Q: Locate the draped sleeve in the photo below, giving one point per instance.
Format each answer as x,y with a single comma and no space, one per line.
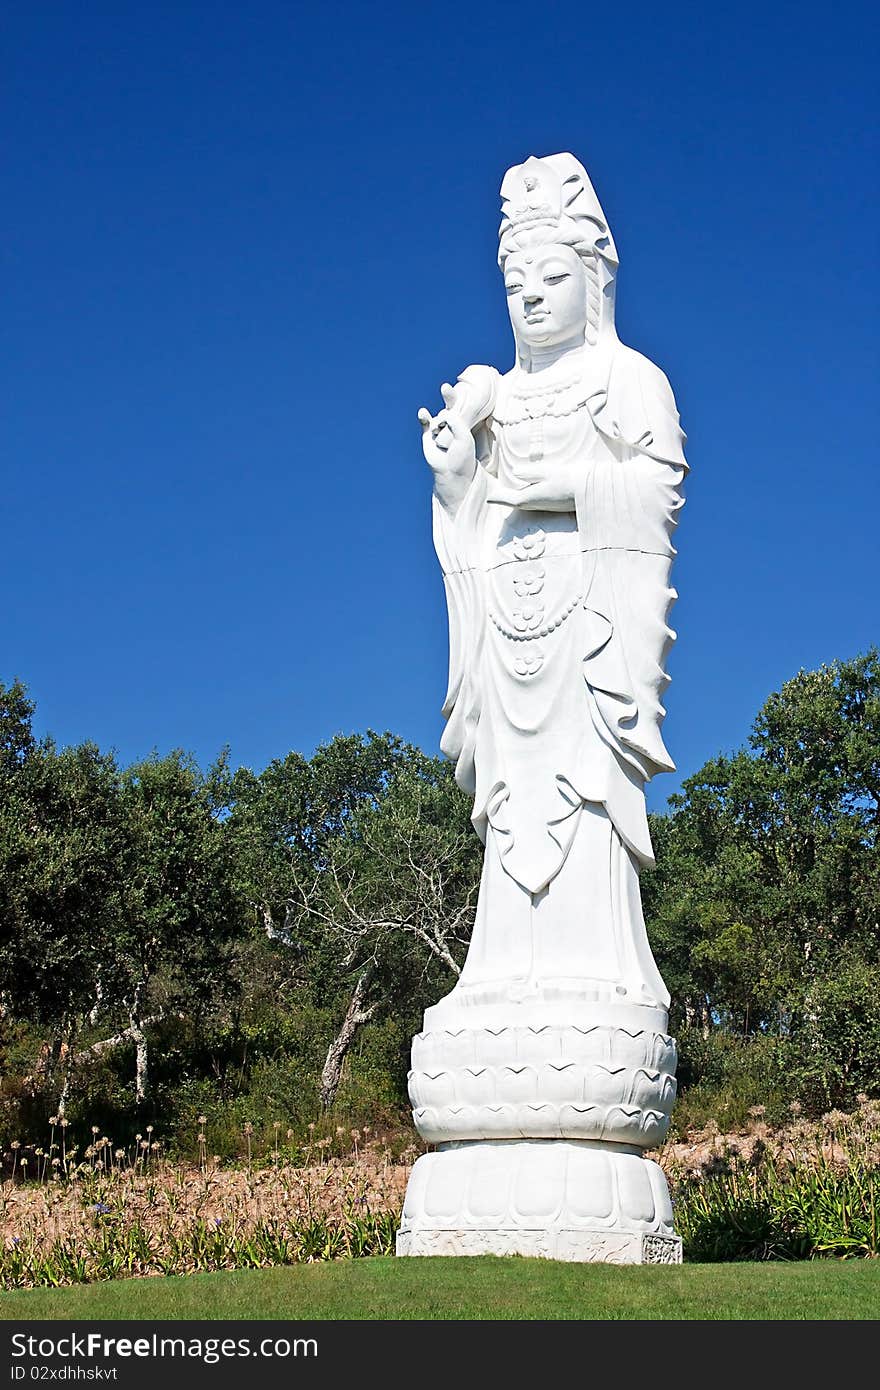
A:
459,542
627,511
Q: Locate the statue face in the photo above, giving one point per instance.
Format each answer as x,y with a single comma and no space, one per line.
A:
546,296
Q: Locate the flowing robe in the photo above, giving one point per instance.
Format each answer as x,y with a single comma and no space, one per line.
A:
558,644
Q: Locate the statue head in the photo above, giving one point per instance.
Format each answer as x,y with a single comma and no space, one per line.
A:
556,254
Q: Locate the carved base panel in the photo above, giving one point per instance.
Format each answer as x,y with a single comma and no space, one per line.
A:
560,1199
588,1078
579,1247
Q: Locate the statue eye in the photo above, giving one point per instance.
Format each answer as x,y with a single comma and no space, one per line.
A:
513,286
556,278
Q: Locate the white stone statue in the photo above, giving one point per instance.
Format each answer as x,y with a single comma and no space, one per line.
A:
557,486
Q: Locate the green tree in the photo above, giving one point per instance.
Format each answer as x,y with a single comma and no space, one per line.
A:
59,846
395,902
361,864
766,889
17,742
117,898
178,912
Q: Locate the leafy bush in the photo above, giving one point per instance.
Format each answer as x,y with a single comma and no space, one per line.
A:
723,1077
818,1195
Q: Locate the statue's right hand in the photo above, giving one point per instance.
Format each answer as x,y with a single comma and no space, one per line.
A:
447,441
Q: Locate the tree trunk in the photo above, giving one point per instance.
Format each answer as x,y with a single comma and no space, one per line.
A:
139,1038
127,1035
95,1011
812,1011
140,1065
355,1016
705,1018
65,1057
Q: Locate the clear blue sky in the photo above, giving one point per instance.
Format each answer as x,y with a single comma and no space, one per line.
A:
244,243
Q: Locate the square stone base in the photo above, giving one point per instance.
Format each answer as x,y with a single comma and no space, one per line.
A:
577,1246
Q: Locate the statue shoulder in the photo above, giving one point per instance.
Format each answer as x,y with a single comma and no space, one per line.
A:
631,370
641,399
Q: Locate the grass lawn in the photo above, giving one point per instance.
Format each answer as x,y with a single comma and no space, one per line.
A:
473,1289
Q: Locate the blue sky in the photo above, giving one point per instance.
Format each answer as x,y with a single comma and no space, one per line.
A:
244,244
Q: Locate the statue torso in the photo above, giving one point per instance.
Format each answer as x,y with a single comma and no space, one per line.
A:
541,424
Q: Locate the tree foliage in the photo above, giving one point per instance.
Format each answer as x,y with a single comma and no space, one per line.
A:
116,892
361,863
765,905
167,922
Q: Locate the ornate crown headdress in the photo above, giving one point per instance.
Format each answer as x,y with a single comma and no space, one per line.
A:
552,198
